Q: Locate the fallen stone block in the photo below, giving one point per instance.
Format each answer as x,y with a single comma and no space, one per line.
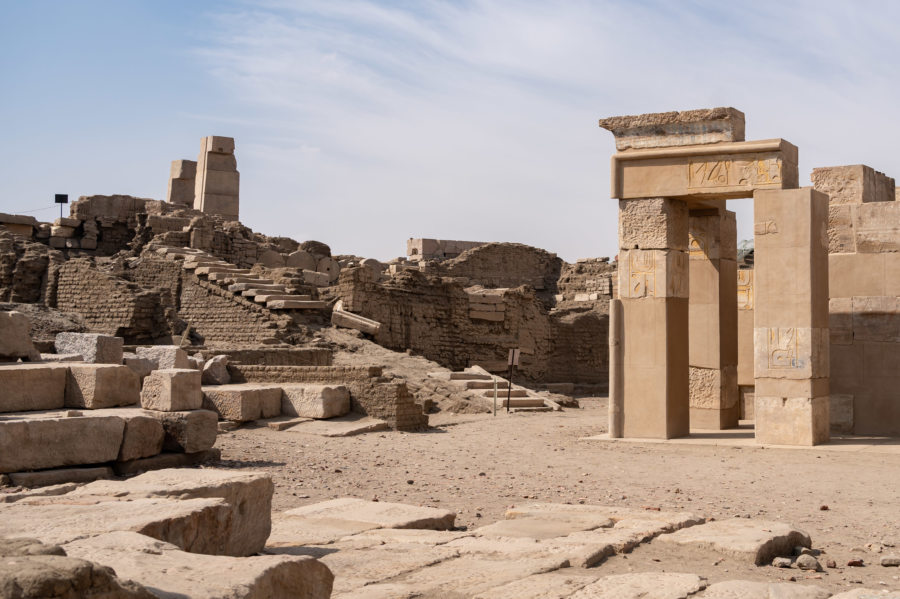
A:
164,356
579,553
294,305
242,403
165,460
168,570
342,318
172,390
36,443
756,541
381,513
96,386
55,358
745,589
342,426
319,279
315,401
140,366
622,516
93,347
188,432
302,260
644,585
15,338
27,387
215,371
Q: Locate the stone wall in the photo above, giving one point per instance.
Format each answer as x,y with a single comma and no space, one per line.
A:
501,265
590,282
24,267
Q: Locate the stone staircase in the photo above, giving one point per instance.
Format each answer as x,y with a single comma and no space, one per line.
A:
479,384
240,281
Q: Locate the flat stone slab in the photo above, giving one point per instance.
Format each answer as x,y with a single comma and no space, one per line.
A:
294,531
97,386
757,541
646,585
579,553
380,513
315,401
866,594
552,585
343,426
192,431
295,305
167,569
540,528
37,442
32,387
670,521
745,589
93,347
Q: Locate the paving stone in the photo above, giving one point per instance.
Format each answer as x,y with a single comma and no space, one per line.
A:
745,589
172,390
757,541
292,531
386,536
93,347
552,585
669,520
315,401
188,432
164,356
540,528
343,426
34,442
167,569
15,337
579,553
645,585
890,561
97,386
29,387
381,513
242,403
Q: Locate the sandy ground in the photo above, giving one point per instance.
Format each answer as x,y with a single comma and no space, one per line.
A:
479,465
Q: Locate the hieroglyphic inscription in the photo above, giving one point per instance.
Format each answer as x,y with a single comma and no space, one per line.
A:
641,274
745,289
704,174
782,348
698,242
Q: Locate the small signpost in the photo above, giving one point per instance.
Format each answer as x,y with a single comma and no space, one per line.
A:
61,198
512,362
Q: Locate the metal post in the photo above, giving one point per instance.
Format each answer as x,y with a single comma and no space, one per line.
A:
509,387
495,394
616,370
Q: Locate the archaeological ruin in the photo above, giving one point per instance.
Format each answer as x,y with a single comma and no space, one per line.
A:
137,334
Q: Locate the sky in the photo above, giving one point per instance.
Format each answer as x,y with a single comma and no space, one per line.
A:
362,124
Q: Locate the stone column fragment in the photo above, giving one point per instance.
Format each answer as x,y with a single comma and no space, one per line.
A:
182,178
713,319
217,185
790,336
653,288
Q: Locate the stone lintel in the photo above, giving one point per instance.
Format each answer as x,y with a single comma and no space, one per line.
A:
685,128
705,172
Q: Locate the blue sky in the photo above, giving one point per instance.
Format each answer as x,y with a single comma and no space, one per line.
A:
364,123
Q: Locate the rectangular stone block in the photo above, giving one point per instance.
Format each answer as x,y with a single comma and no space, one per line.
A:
165,356
28,387
853,184
172,390
712,234
188,432
791,352
35,443
792,421
222,183
840,320
218,144
96,386
792,387
718,172
315,401
88,244
713,313
183,169
877,227
222,204
15,338
714,389
62,232
242,403
653,274
841,237
685,128
653,223
93,347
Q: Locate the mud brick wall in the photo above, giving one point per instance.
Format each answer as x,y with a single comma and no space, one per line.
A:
223,319
109,304
153,273
254,373
504,265
280,356
24,267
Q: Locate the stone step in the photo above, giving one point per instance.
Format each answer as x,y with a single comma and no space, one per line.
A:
535,409
469,376
508,393
225,276
486,384
262,299
294,305
230,269
254,280
263,290
241,287
170,251
523,402
194,264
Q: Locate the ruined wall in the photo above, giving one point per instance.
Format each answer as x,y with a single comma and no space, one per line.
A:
590,282
501,265
24,267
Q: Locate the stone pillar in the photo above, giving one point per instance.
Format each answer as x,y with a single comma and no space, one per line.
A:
218,181
616,369
653,288
182,182
790,335
745,380
712,253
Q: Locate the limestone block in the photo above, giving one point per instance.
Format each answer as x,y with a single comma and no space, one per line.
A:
34,443
792,420
746,589
644,585
165,356
62,232
685,128
785,388
302,260
140,366
188,432
61,358
96,386
840,320
271,259
60,577
319,279
168,570
243,403
748,399
653,224
877,227
854,184
15,338
183,169
791,352
755,541
342,318
713,388
94,348
215,371
712,234
857,275
73,243
143,438
380,513
315,401
28,387
653,273
218,144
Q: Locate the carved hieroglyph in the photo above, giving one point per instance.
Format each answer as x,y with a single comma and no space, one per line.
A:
653,273
704,174
745,289
781,348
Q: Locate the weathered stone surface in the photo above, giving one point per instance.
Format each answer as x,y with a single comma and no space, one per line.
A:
27,387
647,224
315,401
96,386
34,443
15,338
302,260
243,403
52,576
645,585
381,513
670,521
93,347
167,569
165,356
757,541
541,528
685,128
60,476
291,531
172,390
140,366
62,358
866,594
195,525
552,585
215,371
143,438
745,589
581,550
188,432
